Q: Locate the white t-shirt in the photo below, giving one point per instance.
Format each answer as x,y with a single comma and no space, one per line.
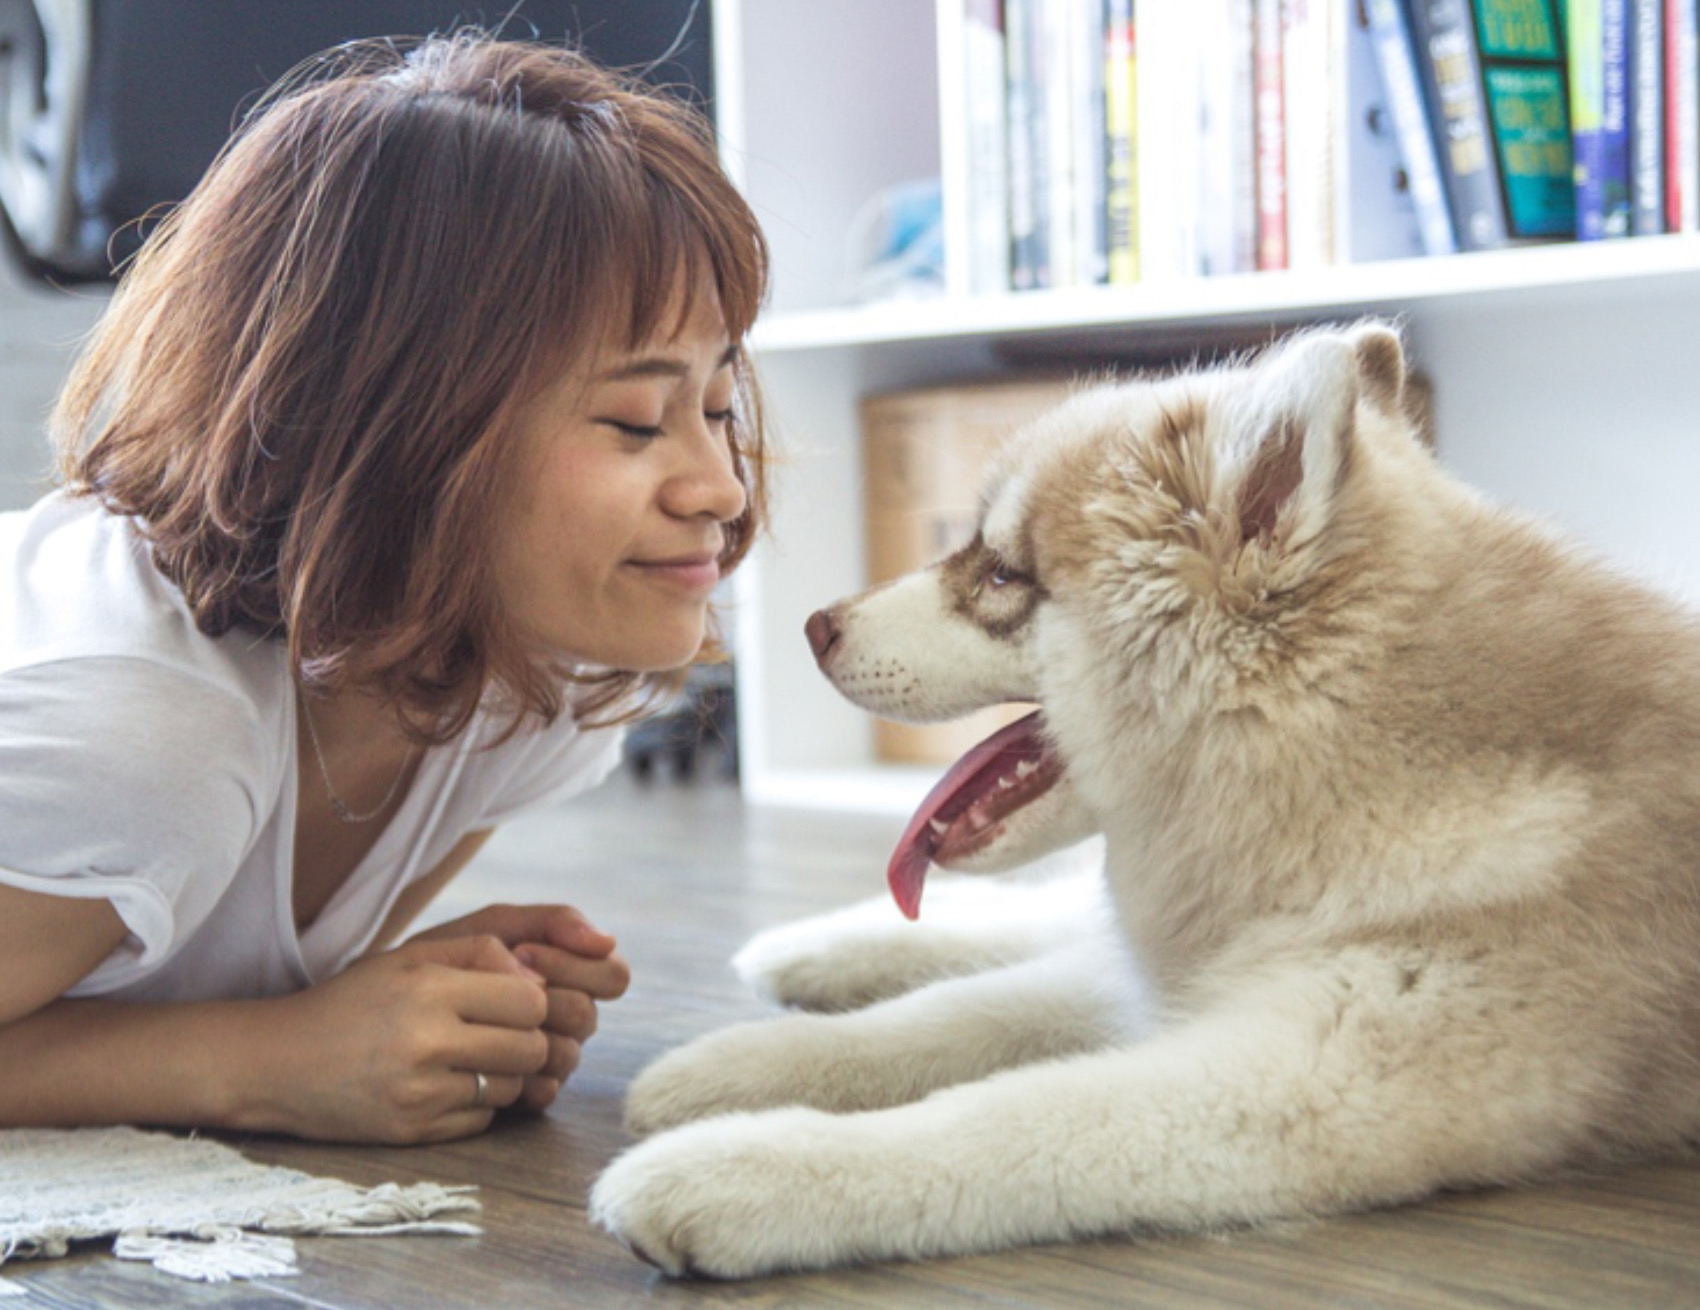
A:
145,763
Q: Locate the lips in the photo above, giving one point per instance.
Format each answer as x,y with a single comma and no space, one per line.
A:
698,571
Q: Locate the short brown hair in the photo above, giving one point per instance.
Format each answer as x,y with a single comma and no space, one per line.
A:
306,386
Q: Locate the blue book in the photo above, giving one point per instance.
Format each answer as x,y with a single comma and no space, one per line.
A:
1585,48
1390,31
1615,19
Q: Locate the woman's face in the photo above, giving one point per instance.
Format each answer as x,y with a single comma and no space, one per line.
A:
608,548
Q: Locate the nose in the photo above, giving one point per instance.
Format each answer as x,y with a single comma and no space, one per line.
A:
707,483
823,633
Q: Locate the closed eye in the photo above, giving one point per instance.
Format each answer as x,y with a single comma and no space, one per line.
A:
637,431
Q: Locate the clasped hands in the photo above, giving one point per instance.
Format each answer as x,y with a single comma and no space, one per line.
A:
509,992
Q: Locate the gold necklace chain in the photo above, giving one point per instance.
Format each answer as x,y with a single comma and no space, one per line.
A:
337,806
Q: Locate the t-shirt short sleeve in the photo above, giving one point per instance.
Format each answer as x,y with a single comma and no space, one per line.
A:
128,781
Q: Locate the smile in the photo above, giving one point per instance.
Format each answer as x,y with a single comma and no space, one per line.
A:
688,573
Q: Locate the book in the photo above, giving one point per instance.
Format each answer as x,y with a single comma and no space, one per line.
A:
1169,95
1616,27
1121,130
1647,117
1443,34
1080,29
1682,115
1310,76
1024,141
1584,37
1395,57
1521,53
987,146
1271,142
1227,147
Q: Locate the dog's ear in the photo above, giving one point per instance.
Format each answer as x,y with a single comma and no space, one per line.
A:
1301,414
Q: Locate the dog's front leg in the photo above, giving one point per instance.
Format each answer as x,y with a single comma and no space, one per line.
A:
868,952
1339,1093
1077,999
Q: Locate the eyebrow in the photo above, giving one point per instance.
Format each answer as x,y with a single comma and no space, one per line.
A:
661,366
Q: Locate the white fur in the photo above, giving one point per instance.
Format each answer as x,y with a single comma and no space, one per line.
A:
1401,863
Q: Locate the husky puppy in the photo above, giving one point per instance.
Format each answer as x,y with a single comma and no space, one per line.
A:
1400,807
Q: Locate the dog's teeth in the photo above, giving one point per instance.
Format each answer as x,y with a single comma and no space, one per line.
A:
1026,769
939,827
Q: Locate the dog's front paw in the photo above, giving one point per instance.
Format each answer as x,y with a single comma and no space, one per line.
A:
831,963
741,1196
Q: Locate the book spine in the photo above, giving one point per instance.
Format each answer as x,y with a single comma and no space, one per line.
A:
1227,134
1584,54
1024,236
1058,106
1615,44
1243,129
1451,72
987,147
1647,118
1121,127
1271,139
1396,58
1520,47
1086,67
1307,90
1682,100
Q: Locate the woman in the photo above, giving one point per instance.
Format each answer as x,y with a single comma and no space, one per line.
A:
398,474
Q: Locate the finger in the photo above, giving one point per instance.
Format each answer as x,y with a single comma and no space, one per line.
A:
482,952
491,999
482,1091
572,1013
564,1057
605,979
555,925
502,1051
540,1093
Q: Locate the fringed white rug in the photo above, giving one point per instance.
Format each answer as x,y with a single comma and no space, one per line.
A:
192,1207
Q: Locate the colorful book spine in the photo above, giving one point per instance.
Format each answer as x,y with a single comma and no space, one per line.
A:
1521,51
1584,51
1444,37
1121,126
1271,138
1616,18
1647,117
1396,58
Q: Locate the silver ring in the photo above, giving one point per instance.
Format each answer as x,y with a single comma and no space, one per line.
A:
480,1092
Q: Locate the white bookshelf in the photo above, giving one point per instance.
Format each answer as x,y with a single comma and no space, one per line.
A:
1567,378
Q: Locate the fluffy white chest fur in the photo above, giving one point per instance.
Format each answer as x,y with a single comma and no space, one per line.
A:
1400,884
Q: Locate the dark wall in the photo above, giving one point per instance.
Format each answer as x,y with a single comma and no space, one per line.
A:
170,78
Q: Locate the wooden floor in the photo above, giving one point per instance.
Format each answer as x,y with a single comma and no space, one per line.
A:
682,875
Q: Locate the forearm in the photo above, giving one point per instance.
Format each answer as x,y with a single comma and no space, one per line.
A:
101,1062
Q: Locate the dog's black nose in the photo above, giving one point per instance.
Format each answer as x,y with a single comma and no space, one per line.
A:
822,632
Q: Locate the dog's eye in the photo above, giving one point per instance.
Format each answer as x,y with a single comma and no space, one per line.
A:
1000,575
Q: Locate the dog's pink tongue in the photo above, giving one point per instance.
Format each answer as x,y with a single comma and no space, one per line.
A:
974,777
